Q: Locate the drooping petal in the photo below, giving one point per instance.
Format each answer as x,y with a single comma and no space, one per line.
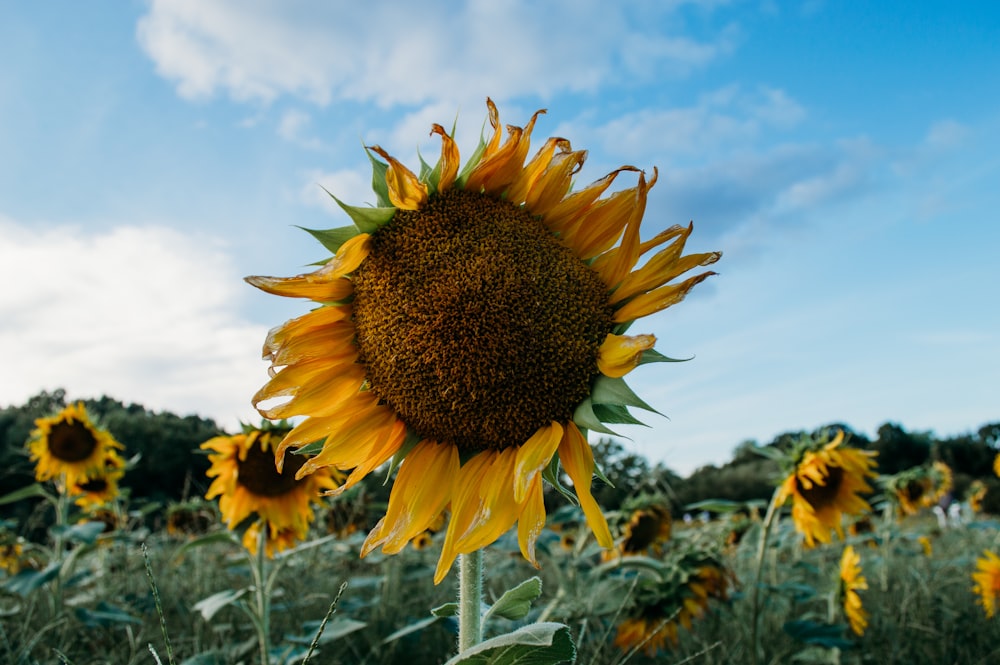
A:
406,192
304,286
420,492
465,505
449,159
533,456
320,317
565,213
578,460
620,354
552,186
532,521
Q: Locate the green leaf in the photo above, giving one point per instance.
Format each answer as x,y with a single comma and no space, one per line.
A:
411,628
516,603
332,239
209,606
335,629
105,615
446,610
368,220
820,634
535,644
86,532
207,658
379,185
654,356
608,390
28,580
28,492
716,506
472,162
584,416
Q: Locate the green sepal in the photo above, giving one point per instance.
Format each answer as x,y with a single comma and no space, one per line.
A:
332,239
379,185
310,449
551,476
411,440
472,162
608,390
599,472
584,416
654,356
616,414
368,220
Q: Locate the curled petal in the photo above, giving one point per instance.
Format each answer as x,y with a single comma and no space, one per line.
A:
406,192
565,213
533,170
449,159
658,299
620,354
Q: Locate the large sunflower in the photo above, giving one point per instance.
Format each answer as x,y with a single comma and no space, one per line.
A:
474,323
987,582
851,581
247,482
68,447
824,485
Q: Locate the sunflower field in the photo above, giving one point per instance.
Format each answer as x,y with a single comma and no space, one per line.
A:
427,483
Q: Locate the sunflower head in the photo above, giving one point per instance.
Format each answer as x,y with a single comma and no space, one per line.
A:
248,484
471,328
917,487
661,605
99,491
975,494
851,581
825,483
69,447
648,529
987,582
191,518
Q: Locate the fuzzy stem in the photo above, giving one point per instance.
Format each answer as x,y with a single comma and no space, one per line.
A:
263,608
470,600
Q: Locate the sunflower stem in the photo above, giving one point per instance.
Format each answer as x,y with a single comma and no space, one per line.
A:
263,623
470,600
765,533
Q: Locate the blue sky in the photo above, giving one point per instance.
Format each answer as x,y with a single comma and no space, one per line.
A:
845,157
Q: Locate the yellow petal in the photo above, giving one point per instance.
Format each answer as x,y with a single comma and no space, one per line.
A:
317,318
496,172
406,192
532,521
420,492
552,186
658,299
620,354
601,225
614,265
533,170
578,460
465,505
565,213
533,456
304,286
449,159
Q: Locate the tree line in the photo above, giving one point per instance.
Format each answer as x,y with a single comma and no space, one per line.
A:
168,465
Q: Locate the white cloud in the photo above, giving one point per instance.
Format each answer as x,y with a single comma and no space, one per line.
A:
349,186
141,314
390,52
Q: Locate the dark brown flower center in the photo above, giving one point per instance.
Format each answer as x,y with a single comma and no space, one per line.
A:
71,441
819,496
94,485
476,324
258,474
644,530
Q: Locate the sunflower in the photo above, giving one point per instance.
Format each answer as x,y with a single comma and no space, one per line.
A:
942,481
663,606
245,477
100,490
471,327
648,529
190,518
996,464
909,489
987,582
851,580
68,447
975,495
824,485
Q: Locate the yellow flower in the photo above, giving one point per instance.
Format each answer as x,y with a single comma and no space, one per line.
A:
648,529
69,448
247,482
925,543
824,486
975,495
474,323
941,483
851,580
996,464
191,518
101,490
987,582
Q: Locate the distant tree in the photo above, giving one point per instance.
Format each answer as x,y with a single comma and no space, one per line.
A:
898,449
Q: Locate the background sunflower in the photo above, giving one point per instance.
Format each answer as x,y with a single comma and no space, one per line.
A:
68,447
